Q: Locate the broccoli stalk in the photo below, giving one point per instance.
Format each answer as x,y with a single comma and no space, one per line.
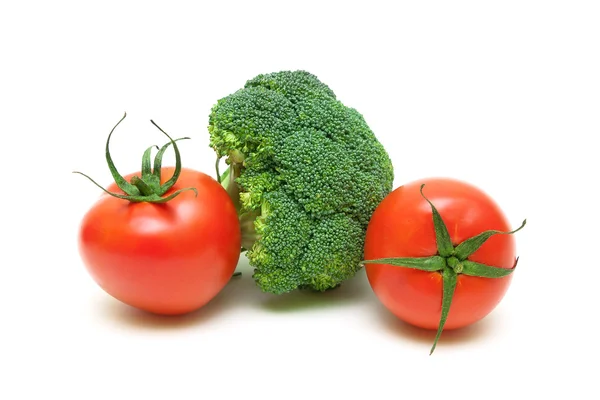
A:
248,217
305,173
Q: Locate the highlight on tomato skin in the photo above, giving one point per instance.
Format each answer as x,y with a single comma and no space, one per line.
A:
458,246
165,239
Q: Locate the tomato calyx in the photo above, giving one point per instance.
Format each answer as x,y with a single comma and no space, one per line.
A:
147,187
450,261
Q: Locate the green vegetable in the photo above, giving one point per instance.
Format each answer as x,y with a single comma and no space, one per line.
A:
306,173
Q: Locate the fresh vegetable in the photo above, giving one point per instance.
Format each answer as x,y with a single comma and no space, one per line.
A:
306,173
164,240
439,254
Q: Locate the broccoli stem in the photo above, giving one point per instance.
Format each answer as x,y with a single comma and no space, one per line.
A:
232,187
249,235
247,219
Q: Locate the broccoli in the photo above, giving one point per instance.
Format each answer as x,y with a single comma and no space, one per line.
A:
305,172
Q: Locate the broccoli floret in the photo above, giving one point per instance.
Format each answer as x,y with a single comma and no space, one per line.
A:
306,173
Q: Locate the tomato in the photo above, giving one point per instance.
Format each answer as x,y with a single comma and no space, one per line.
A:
168,257
402,226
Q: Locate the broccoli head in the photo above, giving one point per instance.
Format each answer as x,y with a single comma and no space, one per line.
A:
306,173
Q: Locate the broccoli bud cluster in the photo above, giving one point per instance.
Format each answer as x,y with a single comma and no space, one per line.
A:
309,173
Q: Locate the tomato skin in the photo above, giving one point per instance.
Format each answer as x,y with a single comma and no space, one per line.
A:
402,226
169,258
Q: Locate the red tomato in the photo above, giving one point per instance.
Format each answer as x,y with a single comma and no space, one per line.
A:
167,258
402,226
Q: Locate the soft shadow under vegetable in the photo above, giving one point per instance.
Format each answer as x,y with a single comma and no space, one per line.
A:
353,290
240,293
479,331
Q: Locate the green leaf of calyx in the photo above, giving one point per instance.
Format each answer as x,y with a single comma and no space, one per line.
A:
147,176
442,237
472,268
449,280
158,158
118,178
117,195
471,245
169,184
146,162
434,263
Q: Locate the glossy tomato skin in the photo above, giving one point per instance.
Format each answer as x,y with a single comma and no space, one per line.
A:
402,226
169,258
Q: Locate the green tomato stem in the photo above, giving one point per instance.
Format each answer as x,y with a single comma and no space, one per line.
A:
142,186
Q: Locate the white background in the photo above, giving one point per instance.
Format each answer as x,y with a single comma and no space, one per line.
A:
505,95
